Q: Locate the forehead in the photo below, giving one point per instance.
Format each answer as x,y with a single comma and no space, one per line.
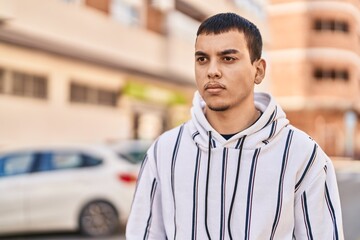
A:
218,42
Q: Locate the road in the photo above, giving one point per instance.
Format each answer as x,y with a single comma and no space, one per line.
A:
348,175
66,236
62,236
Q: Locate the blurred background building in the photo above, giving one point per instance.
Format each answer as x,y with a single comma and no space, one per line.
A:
103,70
315,54
99,70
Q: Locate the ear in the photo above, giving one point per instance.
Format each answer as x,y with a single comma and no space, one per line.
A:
260,66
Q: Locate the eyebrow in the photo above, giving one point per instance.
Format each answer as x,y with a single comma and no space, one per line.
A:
200,53
222,53
228,51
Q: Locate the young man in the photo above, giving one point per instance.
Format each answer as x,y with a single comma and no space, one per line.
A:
237,169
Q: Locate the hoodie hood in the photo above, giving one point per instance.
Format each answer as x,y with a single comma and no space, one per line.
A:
272,120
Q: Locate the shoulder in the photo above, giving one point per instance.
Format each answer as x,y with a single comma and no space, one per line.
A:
302,141
172,135
310,159
165,146
172,138
306,152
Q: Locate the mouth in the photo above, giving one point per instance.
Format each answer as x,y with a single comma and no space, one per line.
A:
214,87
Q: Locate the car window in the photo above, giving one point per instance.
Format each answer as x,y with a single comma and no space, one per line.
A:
133,156
68,160
16,164
132,151
90,161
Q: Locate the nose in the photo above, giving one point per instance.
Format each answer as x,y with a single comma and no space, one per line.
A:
214,71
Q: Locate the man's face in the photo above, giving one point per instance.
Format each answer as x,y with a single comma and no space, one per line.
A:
224,73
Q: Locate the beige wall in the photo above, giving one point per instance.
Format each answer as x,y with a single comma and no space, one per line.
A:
30,121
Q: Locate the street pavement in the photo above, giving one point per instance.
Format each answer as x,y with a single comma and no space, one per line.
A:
62,236
348,176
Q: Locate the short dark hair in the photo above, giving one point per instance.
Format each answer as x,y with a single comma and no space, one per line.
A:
225,22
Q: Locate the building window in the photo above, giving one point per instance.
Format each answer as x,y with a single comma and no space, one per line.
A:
107,97
331,74
125,13
82,93
23,84
331,25
341,26
28,85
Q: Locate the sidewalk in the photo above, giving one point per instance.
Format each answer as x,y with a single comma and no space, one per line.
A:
346,164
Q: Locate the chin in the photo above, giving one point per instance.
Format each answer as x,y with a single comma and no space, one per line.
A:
218,108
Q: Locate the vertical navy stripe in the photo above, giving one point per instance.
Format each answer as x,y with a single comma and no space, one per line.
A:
152,194
250,193
272,117
272,132
235,187
173,162
223,185
240,142
213,143
293,236
332,212
310,162
207,187
281,182
143,164
195,193
139,177
306,216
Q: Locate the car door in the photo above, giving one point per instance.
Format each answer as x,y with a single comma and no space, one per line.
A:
15,170
54,203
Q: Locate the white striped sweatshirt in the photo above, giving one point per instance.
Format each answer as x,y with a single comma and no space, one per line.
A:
270,181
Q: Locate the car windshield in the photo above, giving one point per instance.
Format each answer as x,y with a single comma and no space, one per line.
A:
133,157
132,151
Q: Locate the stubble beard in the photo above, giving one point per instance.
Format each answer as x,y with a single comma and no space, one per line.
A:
218,108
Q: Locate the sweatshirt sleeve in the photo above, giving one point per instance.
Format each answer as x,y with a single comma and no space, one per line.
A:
317,209
146,217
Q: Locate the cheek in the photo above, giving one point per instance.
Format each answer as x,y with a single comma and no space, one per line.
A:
198,70
199,75
241,75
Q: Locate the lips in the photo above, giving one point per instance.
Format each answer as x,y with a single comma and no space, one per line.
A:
214,87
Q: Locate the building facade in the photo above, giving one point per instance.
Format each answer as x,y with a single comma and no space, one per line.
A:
315,54
98,70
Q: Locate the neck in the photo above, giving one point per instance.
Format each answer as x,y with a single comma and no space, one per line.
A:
233,120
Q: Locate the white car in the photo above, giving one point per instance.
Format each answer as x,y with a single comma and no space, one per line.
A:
132,150
86,188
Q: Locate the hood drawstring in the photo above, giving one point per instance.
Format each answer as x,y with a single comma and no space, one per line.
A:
207,185
236,184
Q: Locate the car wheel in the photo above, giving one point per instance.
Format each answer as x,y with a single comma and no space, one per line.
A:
99,218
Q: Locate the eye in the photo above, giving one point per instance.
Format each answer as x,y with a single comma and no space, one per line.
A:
228,59
201,59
